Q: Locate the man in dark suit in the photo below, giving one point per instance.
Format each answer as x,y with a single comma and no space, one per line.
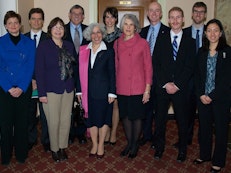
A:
196,30
36,20
76,16
174,68
154,14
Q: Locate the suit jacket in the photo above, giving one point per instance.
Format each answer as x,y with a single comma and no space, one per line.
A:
68,34
101,78
222,89
42,38
144,33
179,71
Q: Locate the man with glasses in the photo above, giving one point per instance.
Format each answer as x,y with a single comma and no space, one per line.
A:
196,30
74,34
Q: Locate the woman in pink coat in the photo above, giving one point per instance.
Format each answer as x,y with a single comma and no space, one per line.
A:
133,80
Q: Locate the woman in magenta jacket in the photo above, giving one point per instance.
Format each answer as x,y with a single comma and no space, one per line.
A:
133,80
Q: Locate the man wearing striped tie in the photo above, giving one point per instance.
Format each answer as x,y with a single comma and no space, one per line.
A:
173,67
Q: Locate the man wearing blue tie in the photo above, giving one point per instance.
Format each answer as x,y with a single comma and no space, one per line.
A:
153,34
173,68
196,30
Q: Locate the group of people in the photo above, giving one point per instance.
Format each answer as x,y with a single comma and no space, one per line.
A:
128,73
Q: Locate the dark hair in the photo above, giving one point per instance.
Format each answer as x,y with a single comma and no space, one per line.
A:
36,10
176,9
77,7
12,14
200,4
54,22
113,11
222,40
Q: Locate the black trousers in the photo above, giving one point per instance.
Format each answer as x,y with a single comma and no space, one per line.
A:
214,115
14,125
179,105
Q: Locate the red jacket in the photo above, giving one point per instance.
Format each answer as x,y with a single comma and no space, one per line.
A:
133,65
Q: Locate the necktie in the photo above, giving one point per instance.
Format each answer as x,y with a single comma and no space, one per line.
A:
174,46
152,40
35,40
76,40
197,40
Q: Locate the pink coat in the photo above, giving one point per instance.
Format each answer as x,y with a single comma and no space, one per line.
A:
133,65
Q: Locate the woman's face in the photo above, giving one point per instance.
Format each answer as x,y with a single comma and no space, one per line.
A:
110,20
13,26
57,31
96,35
128,28
213,33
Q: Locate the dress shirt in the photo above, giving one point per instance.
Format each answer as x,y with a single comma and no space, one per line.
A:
194,33
37,37
72,30
156,31
179,36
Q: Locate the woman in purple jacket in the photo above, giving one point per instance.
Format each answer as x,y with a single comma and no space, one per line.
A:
54,74
133,80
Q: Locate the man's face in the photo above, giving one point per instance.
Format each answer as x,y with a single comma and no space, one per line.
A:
154,13
176,20
76,16
198,15
36,21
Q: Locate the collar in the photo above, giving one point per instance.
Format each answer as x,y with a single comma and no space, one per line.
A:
101,47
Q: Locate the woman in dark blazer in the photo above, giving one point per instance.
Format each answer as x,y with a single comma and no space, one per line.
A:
96,89
213,89
55,82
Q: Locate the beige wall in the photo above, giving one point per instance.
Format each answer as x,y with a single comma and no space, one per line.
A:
60,8
23,8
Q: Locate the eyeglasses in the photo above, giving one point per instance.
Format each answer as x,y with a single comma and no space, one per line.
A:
61,28
76,14
198,12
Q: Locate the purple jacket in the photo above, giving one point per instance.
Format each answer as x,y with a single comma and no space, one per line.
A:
47,69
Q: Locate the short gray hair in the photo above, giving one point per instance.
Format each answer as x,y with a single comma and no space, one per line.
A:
88,31
134,19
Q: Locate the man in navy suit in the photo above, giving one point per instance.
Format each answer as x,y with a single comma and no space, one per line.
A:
154,15
196,30
76,16
173,68
36,20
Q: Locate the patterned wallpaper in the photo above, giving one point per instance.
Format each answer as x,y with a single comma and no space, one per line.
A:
223,13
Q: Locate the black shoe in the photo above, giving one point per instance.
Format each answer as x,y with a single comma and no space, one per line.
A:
199,161
71,140
55,156
158,155
21,161
143,141
212,170
46,147
5,163
133,152
153,146
82,139
181,157
125,151
62,154
112,143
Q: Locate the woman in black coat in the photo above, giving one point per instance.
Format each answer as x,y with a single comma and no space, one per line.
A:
213,86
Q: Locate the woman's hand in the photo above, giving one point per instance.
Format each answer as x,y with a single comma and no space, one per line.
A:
43,99
146,97
15,92
79,97
110,100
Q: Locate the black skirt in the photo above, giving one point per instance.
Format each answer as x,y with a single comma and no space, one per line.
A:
131,107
